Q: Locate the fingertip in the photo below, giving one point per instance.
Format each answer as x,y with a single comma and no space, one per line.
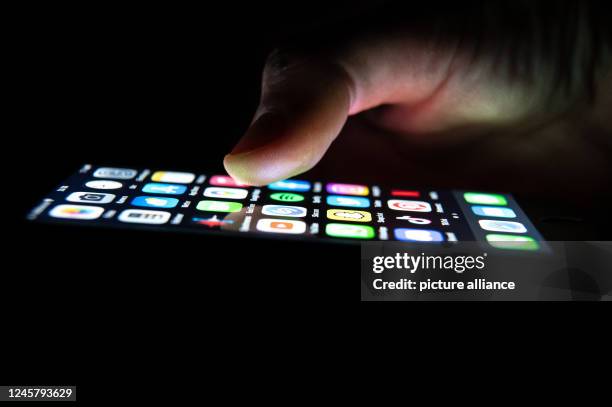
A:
267,127
256,159
262,166
297,120
237,167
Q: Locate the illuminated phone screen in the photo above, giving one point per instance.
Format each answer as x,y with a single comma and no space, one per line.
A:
296,208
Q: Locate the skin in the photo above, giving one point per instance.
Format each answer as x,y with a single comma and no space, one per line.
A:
399,101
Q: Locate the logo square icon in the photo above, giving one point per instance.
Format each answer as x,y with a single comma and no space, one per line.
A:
347,189
409,206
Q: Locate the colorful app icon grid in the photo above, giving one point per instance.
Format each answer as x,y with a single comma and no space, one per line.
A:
338,210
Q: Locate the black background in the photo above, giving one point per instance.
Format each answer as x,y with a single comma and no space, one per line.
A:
166,87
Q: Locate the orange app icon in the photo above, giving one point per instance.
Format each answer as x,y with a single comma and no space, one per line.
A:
281,226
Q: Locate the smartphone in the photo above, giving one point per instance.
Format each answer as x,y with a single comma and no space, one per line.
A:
303,209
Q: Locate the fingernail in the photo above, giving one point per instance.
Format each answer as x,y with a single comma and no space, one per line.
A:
266,128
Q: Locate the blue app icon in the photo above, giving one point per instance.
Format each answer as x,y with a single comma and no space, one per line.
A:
284,210
154,202
290,185
348,201
418,235
494,211
158,188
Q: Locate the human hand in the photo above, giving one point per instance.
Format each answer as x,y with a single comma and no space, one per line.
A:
480,89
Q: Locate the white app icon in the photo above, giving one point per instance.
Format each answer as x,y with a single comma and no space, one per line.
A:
90,197
229,193
502,226
104,184
281,226
410,206
76,212
115,173
284,210
144,216
416,221
176,177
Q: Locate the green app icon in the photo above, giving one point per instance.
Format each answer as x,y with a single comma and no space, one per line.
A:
219,206
485,199
287,197
512,242
349,230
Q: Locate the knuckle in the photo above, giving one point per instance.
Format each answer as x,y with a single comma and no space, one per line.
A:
282,61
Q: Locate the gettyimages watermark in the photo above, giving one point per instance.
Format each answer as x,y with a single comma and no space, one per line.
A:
453,263
412,263
468,271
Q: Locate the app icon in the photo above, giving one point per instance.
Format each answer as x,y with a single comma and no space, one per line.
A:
348,201
175,177
349,231
349,215
512,242
410,206
502,226
484,199
104,184
287,197
494,211
76,212
224,181
413,220
347,189
213,221
90,197
290,185
281,226
418,235
154,202
219,206
115,173
405,194
144,216
228,193
284,210
170,189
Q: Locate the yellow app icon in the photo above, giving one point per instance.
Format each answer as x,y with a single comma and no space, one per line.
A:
349,215
174,177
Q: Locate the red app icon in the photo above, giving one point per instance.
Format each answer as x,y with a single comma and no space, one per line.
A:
405,193
411,206
224,181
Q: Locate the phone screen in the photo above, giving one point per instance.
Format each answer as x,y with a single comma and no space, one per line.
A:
290,209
